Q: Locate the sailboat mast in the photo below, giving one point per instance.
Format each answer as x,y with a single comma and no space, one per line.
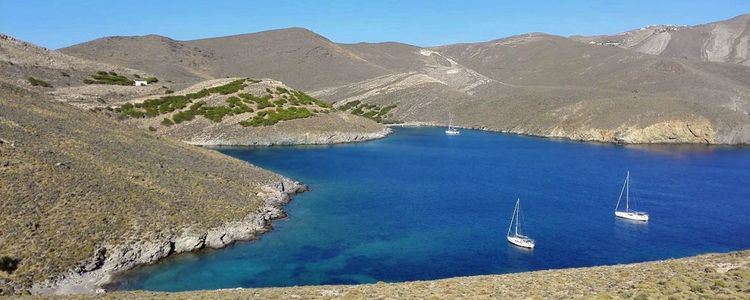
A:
518,212
513,217
627,194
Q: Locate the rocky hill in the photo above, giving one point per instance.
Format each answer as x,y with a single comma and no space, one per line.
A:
83,196
725,41
552,86
68,78
241,111
530,84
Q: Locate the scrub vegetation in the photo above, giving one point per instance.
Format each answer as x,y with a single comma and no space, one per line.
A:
231,99
112,78
39,82
372,111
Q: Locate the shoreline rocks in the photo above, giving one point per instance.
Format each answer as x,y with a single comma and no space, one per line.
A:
109,260
318,138
664,133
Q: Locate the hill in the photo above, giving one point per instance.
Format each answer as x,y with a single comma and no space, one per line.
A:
241,111
68,78
529,84
552,86
84,196
725,41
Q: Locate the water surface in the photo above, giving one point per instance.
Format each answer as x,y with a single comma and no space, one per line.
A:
422,205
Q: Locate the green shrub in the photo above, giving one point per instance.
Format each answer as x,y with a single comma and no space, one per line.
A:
151,80
151,128
111,78
266,118
168,91
167,122
64,74
8,264
39,82
183,116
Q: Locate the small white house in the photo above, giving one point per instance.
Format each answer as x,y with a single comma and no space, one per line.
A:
140,83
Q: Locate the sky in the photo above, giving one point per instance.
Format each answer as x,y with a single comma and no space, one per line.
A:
55,24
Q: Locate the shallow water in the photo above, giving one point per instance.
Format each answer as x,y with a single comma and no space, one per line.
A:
422,205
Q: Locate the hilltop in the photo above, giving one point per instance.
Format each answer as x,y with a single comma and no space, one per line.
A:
724,41
535,83
67,78
84,196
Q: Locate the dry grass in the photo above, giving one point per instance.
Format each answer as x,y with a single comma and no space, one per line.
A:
72,181
712,276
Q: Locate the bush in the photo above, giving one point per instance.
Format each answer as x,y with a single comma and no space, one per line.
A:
8,264
266,118
183,116
168,91
39,82
151,128
151,80
167,122
112,78
64,74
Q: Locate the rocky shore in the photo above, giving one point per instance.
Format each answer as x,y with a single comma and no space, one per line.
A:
293,138
108,260
668,132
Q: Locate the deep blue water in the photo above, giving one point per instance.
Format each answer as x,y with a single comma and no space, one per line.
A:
422,205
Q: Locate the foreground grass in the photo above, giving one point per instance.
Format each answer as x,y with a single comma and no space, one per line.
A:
712,276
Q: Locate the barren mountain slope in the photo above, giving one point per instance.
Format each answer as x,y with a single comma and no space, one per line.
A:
533,83
296,56
89,195
159,55
724,41
552,86
63,75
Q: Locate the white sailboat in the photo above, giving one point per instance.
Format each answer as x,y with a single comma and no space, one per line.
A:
451,130
513,236
628,213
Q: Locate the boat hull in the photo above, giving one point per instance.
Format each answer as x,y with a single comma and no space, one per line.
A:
636,216
452,132
521,242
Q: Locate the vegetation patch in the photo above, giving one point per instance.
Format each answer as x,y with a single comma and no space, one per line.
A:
8,264
280,104
371,111
265,118
39,82
111,78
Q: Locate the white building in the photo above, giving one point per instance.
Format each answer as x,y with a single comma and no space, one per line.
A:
140,83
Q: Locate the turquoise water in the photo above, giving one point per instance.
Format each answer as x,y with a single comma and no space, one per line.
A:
422,205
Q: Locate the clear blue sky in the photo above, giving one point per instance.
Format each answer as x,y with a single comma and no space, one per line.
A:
55,24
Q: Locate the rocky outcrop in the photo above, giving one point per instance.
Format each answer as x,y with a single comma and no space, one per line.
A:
668,132
90,276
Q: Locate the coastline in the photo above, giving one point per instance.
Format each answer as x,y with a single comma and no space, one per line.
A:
325,138
564,137
109,260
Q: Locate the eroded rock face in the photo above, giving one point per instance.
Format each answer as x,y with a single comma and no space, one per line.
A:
696,131
108,260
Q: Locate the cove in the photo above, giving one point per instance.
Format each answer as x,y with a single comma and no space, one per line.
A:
421,205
